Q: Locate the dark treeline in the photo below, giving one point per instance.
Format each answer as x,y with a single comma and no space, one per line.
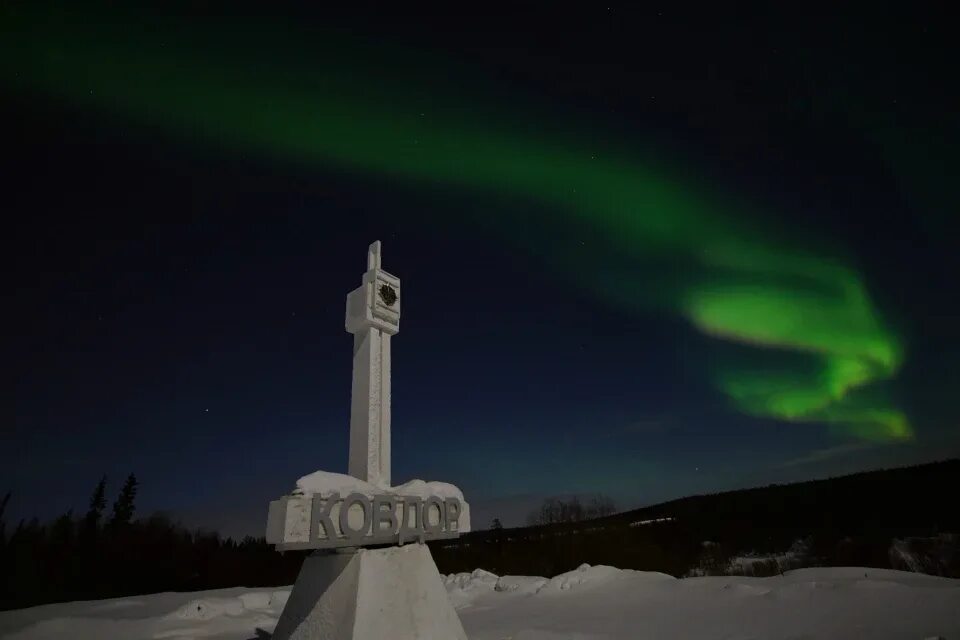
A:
874,519
104,554
572,509
903,518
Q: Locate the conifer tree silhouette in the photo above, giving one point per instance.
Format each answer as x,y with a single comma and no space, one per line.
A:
124,507
98,502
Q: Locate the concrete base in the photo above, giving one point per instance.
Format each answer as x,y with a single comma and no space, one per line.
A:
370,594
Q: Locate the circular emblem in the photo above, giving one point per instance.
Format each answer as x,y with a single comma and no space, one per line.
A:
388,294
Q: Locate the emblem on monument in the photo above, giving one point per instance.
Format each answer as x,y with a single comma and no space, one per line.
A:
388,295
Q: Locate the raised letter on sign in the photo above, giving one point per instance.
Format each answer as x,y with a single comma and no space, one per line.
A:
411,505
452,507
348,502
428,504
321,516
381,516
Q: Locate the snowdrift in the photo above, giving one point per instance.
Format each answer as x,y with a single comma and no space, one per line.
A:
591,602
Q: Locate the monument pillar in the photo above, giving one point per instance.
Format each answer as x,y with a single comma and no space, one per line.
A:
370,408
373,317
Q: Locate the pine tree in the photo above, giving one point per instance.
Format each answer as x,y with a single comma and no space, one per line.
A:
98,502
496,524
124,507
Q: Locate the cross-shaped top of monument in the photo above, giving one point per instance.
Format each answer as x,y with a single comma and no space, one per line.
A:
373,256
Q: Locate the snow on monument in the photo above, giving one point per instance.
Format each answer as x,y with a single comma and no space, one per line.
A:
343,590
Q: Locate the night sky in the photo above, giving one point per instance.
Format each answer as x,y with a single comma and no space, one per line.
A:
644,252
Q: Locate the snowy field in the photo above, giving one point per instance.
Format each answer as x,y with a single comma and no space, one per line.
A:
591,603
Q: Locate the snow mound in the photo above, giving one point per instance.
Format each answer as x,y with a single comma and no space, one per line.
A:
426,489
328,482
581,576
476,578
597,603
255,600
520,584
464,588
746,589
849,575
113,605
208,608
278,599
259,600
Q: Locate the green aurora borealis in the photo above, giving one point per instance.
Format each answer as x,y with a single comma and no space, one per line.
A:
737,281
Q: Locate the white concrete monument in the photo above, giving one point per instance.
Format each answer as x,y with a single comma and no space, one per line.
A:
344,591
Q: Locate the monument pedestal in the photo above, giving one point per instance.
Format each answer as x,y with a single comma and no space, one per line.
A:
370,594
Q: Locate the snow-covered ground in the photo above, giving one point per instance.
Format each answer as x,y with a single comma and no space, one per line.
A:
590,603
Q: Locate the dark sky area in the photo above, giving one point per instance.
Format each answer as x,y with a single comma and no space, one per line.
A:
647,252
